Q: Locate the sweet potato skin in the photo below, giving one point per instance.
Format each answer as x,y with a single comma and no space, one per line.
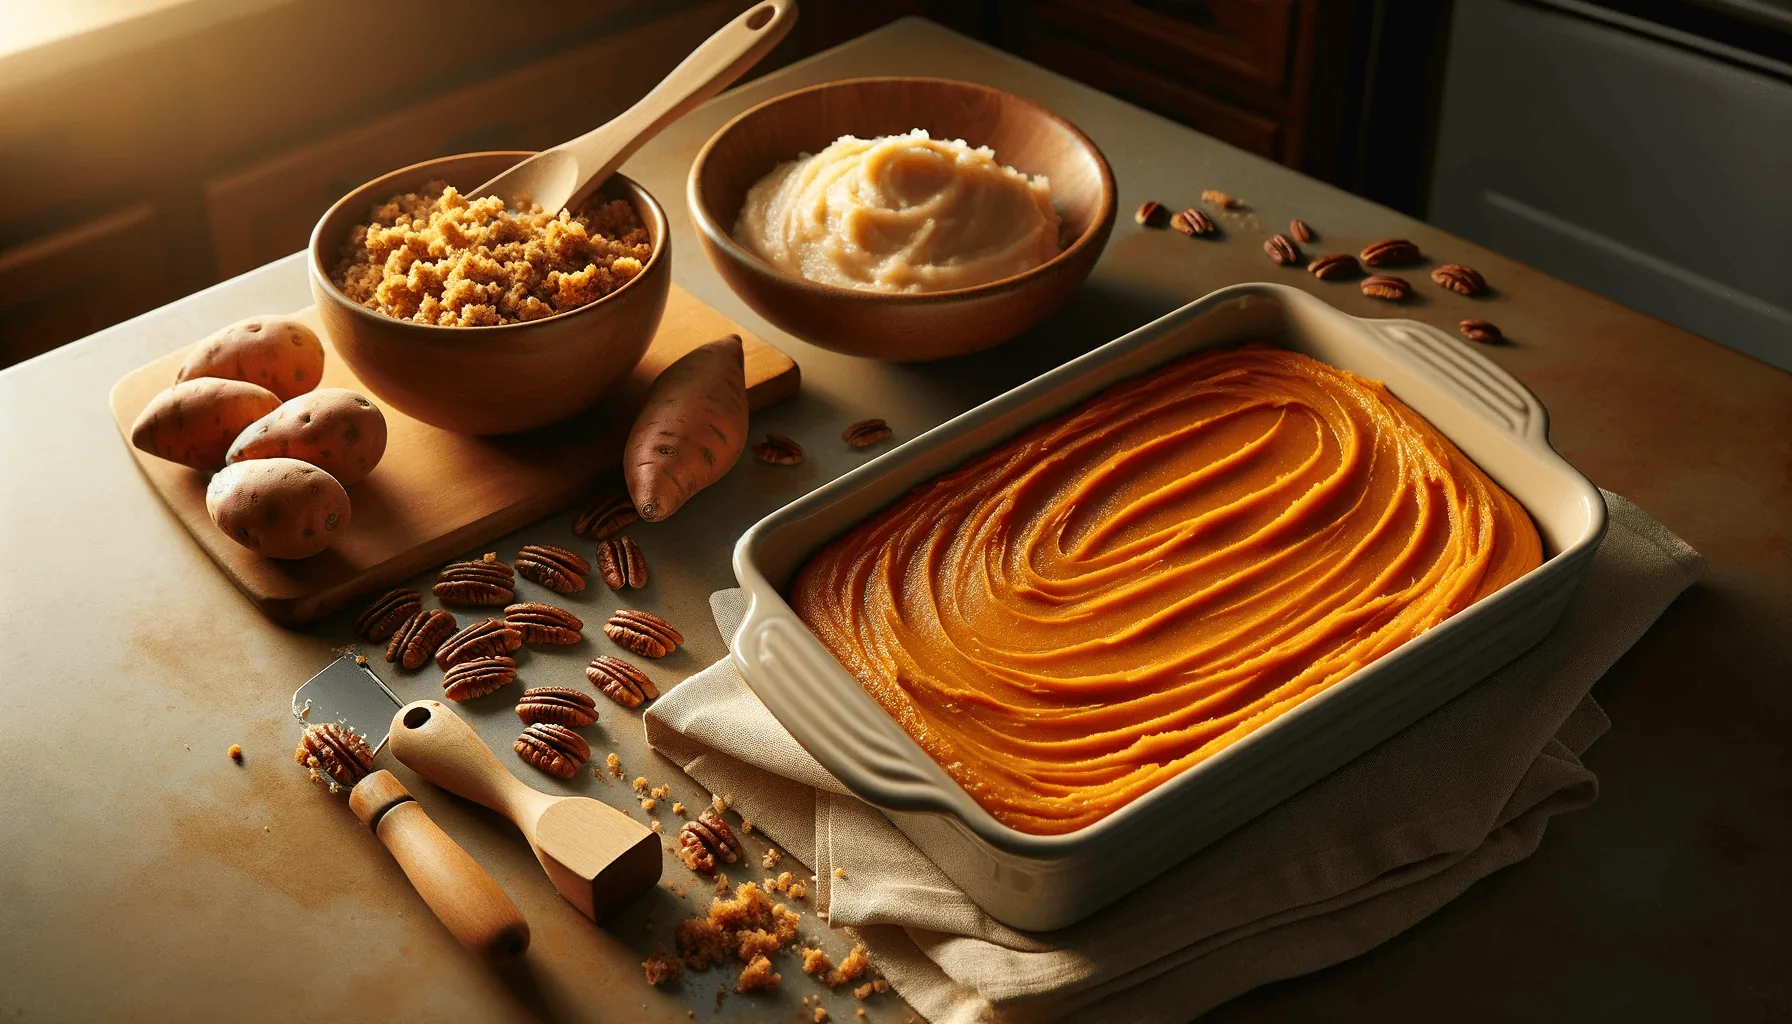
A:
334,429
282,508
193,423
691,430
277,352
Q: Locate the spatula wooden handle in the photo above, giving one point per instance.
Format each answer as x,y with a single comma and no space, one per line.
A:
710,68
460,893
433,741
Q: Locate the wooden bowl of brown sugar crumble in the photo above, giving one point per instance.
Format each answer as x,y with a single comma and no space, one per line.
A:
482,320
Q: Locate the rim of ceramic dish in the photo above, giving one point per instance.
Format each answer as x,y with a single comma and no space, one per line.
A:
321,276
722,239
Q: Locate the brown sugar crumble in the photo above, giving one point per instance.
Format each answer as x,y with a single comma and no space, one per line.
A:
749,927
437,257
236,753
851,969
661,967
758,976
614,763
771,858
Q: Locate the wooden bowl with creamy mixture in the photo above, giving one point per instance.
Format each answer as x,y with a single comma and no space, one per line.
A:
510,322
892,244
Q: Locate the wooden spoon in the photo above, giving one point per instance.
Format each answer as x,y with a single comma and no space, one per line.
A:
597,856
563,177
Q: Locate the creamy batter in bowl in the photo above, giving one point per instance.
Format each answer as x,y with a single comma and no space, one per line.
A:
905,325
902,213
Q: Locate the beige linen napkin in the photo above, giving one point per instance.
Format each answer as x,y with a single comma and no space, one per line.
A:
1339,868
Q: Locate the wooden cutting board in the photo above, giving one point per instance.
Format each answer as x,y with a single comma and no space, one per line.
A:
438,494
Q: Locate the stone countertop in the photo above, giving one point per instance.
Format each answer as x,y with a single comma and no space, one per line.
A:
144,874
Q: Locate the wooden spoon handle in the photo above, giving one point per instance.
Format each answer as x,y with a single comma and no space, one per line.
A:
460,893
434,742
709,69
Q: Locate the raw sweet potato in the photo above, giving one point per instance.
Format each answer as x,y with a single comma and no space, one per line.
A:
691,430
334,429
277,352
282,508
194,422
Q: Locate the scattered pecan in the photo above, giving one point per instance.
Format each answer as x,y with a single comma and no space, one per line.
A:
553,567
1460,279
1481,331
1192,222
704,842
643,632
485,582
1300,231
1150,213
866,433
1282,250
1386,287
620,561
1215,197
387,612
621,682
606,517
476,677
1337,265
483,639
554,749
540,623
556,705
1390,252
417,640
334,752
778,450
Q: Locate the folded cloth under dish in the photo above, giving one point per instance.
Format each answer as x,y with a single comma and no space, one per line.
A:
1337,869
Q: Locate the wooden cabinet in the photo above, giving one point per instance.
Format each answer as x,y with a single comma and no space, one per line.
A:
1268,76
73,282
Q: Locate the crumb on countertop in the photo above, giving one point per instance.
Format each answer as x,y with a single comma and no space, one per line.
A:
236,753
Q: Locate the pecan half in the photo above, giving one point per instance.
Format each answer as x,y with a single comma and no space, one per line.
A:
483,639
335,753
1386,287
708,840
1300,231
620,561
1150,213
606,517
540,623
1215,197
485,582
553,567
1282,250
1459,279
621,682
778,450
1192,222
866,433
643,632
477,677
1390,252
554,749
556,705
387,612
1481,331
1337,265
417,640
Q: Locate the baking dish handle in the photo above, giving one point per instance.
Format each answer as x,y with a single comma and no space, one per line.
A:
1471,377
841,726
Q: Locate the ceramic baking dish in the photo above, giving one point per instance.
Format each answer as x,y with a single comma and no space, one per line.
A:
1043,882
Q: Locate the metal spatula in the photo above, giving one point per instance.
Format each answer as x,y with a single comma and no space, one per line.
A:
466,899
